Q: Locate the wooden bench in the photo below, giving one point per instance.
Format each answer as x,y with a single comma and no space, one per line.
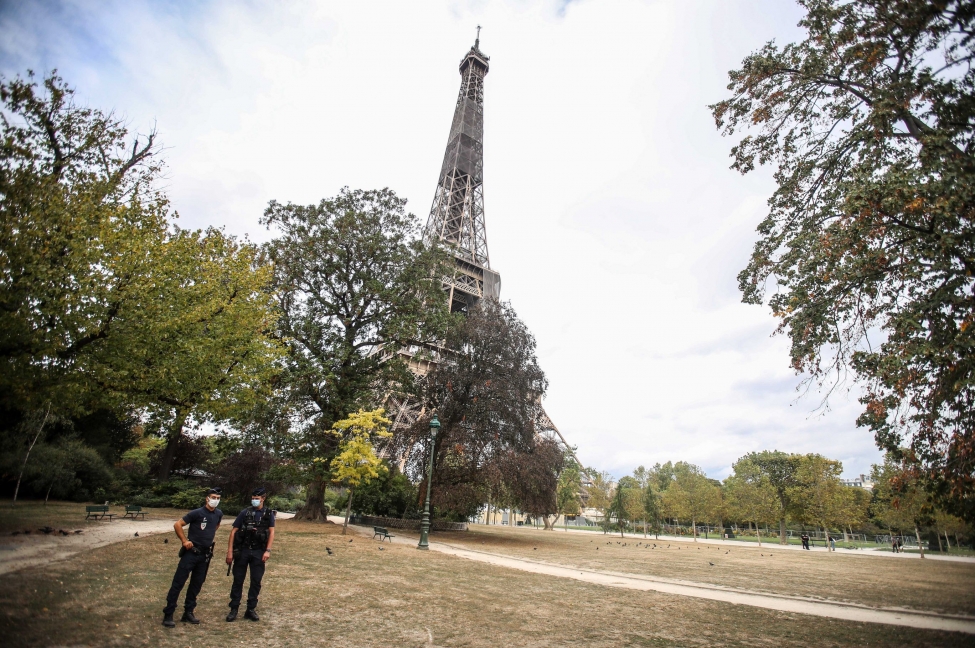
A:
134,512
98,513
382,533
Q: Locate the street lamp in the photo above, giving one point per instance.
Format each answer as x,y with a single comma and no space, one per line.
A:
425,525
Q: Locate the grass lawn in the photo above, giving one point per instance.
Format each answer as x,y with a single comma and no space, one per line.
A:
361,596
873,580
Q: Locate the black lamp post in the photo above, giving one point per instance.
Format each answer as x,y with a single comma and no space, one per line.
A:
425,525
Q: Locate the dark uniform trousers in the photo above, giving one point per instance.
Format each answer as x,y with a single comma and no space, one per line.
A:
255,559
192,565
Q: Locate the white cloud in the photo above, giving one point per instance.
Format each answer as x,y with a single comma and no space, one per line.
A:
612,215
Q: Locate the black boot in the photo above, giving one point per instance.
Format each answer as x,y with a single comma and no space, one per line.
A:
232,615
188,617
251,614
168,621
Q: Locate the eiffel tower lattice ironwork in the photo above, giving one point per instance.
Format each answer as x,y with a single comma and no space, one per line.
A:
457,221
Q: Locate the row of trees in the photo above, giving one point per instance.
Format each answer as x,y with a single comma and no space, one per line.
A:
772,488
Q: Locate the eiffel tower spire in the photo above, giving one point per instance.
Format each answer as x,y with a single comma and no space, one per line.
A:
457,215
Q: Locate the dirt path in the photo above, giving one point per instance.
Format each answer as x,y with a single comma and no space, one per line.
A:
792,604
21,551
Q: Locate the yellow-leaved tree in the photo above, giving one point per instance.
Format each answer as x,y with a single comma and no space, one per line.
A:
356,461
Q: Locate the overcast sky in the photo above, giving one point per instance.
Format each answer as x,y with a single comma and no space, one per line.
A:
612,215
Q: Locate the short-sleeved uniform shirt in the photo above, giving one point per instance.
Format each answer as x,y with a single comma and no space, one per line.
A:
203,525
258,514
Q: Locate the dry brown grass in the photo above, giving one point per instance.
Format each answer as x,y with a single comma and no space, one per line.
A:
887,581
362,597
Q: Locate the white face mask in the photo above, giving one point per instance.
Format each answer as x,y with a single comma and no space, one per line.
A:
255,503
213,501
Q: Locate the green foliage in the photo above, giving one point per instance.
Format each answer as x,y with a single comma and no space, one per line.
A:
568,495
870,237
189,498
819,498
390,494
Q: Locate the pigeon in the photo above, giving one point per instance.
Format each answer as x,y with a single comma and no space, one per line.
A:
382,549
329,550
78,532
26,531
350,539
63,532
534,548
727,552
48,530
597,548
711,563
136,534
165,540
763,555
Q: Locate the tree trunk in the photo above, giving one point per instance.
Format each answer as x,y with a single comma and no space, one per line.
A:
621,528
348,508
826,538
48,494
172,441
941,548
782,538
644,527
758,532
31,447
920,547
694,527
487,514
948,542
314,508
549,524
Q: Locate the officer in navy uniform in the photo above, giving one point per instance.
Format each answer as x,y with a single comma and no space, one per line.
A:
195,556
250,546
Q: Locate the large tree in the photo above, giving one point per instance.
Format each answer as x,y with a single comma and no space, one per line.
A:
355,284
779,468
818,496
80,221
870,237
486,390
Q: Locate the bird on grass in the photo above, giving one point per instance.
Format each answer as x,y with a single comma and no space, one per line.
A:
350,539
63,532
78,531
48,530
329,550
382,549
534,548
711,563
136,534
165,540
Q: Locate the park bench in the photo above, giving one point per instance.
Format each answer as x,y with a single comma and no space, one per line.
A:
98,512
134,512
382,533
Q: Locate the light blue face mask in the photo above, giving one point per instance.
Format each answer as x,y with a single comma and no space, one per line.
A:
255,503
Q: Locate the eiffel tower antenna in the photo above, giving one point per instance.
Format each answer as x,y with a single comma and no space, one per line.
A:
457,214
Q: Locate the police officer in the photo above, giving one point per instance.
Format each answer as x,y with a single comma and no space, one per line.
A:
250,546
195,556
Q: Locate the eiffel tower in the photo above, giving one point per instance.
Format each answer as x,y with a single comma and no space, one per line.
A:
457,221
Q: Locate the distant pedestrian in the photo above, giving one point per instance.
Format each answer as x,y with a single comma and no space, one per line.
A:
805,541
832,543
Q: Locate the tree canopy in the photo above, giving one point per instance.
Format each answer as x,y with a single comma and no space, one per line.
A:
870,237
